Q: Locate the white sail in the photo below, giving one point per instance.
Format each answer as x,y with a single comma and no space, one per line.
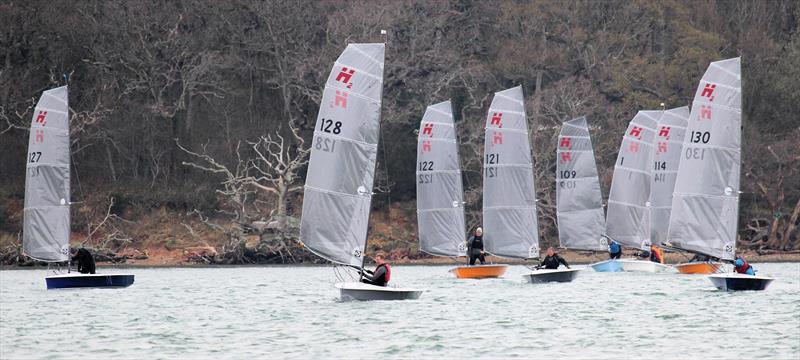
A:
667,145
338,188
705,205
440,195
510,226
46,225
628,216
579,202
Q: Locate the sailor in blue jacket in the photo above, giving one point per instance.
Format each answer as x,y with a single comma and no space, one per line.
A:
742,267
614,250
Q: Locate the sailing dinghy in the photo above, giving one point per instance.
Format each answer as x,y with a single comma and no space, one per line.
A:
628,217
46,221
579,202
705,205
667,145
440,193
341,170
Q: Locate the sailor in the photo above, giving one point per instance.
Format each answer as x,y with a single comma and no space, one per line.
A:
656,254
475,249
84,259
742,267
614,250
552,260
382,273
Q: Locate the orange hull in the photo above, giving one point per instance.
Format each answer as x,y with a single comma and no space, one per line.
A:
479,271
698,268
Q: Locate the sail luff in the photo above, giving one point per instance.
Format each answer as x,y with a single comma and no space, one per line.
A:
510,225
341,170
46,221
579,201
628,215
705,204
440,203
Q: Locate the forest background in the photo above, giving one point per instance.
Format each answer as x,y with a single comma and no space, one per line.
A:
190,120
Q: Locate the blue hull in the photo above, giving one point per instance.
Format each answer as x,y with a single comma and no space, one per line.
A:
89,281
607,266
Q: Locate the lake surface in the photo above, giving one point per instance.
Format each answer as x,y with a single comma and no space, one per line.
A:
294,312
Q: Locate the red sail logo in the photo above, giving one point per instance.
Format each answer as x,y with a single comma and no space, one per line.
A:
340,100
426,146
344,76
708,91
636,132
40,117
497,138
497,120
428,130
566,157
565,143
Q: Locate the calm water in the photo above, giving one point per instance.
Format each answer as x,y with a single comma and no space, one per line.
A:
294,312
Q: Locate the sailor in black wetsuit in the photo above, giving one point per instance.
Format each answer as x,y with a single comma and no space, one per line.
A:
84,259
552,260
381,275
475,249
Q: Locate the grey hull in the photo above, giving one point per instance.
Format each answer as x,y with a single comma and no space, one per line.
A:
365,292
738,282
546,276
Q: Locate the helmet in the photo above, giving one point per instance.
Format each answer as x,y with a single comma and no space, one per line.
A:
739,262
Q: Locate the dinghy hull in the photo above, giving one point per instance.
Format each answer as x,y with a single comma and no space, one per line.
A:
739,282
68,281
551,275
353,291
698,268
479,271
642,266
607,266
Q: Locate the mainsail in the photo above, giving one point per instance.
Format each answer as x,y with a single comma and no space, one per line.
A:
579,202
338,188
667,145
46,225
510,225
440,196
628,217
705,205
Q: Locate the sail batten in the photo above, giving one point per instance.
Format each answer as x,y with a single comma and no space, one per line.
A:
579,201
510,225
46,220
705,203
628,216
440,202
341,170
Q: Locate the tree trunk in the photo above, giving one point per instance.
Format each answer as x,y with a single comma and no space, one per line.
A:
790,227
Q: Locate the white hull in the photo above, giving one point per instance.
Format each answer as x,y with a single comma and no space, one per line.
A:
551,275
365,292
642,266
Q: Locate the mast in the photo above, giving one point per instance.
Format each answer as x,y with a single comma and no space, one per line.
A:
341,170
705,205
46,221
509,197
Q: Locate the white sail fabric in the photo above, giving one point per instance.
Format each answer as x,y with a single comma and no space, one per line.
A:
579,202
510,226
705,205
628,217
667,145
440,195
338,188
46,226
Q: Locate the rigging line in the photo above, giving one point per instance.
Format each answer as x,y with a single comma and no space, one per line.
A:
77,178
